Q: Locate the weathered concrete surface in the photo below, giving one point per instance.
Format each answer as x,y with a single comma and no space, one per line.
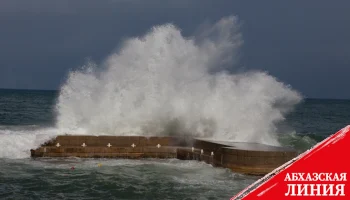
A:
118,141
248,158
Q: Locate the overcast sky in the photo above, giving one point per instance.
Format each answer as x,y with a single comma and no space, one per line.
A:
303,43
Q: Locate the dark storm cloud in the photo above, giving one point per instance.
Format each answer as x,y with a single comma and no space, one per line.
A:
303,43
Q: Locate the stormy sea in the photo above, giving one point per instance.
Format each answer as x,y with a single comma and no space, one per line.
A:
160,83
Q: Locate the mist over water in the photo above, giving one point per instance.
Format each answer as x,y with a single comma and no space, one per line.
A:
166,84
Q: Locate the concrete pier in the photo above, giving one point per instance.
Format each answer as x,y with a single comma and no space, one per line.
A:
247,158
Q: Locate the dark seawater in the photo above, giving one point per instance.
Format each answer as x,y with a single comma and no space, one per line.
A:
27,116
27,107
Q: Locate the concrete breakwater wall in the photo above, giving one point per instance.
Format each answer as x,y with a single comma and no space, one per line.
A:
247,158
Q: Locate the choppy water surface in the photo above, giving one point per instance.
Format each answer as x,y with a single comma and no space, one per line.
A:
116,179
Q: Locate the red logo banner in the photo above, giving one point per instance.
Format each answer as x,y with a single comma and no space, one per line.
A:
319,173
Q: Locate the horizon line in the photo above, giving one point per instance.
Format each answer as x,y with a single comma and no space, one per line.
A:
57,90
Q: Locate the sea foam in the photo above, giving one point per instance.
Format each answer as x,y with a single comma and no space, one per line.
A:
166,84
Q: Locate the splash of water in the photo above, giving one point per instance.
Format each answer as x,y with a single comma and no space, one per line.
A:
15,143
166,84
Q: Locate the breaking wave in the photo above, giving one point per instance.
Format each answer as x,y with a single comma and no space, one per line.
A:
166,84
